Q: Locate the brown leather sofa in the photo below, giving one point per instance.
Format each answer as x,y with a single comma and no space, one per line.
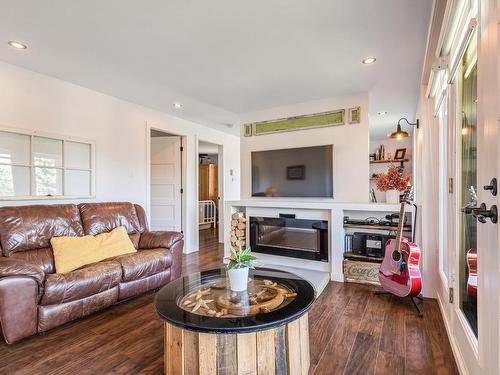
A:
33,298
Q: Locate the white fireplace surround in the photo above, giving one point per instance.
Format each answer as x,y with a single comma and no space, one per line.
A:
322,209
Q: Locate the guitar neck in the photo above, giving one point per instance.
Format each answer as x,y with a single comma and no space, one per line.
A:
400,226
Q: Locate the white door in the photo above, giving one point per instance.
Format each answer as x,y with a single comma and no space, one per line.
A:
474,239
166,183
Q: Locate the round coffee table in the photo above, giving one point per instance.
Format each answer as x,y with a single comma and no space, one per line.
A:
211,330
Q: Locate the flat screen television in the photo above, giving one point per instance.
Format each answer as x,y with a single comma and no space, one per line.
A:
293,172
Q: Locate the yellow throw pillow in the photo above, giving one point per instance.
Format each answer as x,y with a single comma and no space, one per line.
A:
71,253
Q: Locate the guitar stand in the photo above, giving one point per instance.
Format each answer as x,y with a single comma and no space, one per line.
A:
420,313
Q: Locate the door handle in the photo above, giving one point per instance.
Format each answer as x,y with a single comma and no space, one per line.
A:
492,186
481,213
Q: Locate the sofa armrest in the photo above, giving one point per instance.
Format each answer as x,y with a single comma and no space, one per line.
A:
20,268
154,240
18,307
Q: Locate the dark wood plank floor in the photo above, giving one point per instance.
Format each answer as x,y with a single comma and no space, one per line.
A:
352,332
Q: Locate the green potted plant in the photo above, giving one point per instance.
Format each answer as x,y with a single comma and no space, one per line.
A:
240,262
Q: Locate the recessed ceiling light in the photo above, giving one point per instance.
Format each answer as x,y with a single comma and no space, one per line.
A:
17,45
369,60
177,105
383,113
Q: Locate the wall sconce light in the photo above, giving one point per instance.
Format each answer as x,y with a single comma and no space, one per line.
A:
399,133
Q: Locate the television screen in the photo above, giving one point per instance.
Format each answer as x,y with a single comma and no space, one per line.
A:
293,172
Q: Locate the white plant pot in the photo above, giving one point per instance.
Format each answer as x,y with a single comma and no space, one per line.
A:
392,196
238,279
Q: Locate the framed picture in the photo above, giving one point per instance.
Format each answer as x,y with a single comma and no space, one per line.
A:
354,115
400,154
247,130
296,172
303,122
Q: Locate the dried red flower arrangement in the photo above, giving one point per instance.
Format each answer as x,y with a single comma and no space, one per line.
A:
392,180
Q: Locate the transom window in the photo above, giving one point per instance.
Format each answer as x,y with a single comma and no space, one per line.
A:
34,166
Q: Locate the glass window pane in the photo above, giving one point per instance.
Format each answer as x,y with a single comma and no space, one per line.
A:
14,181
48,181
77,155
47,152
14,148
77,183
468,251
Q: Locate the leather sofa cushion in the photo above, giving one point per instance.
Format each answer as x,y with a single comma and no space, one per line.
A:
144,263
84,282
43,258
31,227
104,217
71,253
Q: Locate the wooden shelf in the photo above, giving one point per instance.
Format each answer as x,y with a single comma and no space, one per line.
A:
389,161
406,228
353,256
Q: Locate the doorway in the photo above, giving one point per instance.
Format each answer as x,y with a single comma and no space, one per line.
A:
210,187
165,168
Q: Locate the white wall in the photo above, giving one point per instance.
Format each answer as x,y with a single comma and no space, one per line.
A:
350,144
30,100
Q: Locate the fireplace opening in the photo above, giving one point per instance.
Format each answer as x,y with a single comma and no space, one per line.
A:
291,237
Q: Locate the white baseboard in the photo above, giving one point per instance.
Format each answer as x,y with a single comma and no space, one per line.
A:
454,347
337,277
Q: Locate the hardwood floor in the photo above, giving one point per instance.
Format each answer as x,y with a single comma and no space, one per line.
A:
352,332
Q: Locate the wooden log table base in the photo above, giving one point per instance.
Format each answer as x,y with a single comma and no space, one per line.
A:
281,350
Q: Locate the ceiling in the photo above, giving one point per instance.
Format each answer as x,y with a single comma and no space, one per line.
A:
224,58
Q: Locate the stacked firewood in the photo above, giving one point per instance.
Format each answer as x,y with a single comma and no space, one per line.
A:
238,230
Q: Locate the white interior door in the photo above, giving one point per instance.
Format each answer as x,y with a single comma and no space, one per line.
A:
474,242
166,183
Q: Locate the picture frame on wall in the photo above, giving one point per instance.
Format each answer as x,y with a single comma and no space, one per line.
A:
247,130
400,154
354,115
301,122
296,172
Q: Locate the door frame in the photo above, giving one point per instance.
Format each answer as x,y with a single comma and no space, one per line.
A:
149,127
220,187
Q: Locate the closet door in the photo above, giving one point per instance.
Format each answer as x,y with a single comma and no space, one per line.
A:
166,183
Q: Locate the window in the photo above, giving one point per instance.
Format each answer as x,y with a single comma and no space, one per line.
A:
34,166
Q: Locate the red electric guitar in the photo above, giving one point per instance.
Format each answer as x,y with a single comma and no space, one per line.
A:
399,272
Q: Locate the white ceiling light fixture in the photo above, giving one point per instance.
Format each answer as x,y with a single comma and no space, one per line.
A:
383,113
17,45
369,60
177,105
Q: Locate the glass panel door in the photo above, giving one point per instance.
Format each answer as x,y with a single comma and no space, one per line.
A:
467,184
